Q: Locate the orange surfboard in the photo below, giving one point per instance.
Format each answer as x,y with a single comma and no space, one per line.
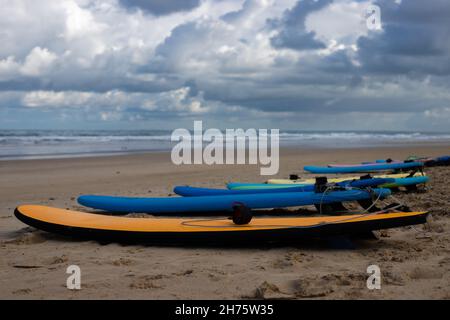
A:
97,226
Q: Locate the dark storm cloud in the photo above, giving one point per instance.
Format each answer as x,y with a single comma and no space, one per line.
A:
337,62
181,42
292,30
161,7
335,105
415,40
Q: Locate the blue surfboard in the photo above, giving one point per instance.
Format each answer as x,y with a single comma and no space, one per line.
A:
187,191
440,161
362,183
247,185
222,203
443,160
364,168
409,181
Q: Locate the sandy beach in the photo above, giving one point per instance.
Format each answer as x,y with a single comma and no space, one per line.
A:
414,261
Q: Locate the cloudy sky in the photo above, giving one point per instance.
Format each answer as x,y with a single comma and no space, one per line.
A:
160,64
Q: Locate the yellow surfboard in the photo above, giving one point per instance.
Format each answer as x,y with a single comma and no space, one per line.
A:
97,226
312,181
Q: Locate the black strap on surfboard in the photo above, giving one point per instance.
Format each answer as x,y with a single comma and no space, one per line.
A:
241,214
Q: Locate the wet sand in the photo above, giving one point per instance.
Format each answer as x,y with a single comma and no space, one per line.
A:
414,261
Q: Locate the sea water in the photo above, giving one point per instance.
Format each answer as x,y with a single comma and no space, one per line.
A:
32,144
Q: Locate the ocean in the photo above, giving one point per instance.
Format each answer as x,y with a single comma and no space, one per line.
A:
35,144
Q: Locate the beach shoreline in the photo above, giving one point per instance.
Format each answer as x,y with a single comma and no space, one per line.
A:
414,260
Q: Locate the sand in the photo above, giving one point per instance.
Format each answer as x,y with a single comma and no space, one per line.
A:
414,261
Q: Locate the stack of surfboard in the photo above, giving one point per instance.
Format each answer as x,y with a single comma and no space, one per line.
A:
408,173
240,201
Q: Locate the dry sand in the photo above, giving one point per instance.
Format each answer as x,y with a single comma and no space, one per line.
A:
414,261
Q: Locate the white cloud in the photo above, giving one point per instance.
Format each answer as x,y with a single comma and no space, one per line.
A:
342,22
105,59
80,22
61,99
117,102
38,62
